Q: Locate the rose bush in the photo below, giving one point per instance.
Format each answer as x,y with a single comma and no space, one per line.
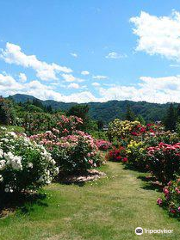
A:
24,165
171,199
136,154
124,131
103,145
73,150
117,155
164,161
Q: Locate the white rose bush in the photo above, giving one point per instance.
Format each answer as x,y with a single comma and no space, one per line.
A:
24,165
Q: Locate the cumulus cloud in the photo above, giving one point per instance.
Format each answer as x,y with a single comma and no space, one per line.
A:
10,86
13,54
71,78
158,35
158,90
100,77
85,73
115,55
74,85
22,77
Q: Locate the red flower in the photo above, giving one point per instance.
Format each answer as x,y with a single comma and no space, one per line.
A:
125,159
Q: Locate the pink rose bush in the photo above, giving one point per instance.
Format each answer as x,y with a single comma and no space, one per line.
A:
171,199
164,161
73,150
103,145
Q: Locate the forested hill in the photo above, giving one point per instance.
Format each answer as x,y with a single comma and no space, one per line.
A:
110,110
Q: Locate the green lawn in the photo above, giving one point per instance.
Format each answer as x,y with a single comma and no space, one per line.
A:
108,209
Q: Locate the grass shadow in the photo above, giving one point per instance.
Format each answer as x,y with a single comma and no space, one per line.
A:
134,168
150,183
10,202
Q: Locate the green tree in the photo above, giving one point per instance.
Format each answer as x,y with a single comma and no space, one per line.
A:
7,113
130,116
141,119
171,118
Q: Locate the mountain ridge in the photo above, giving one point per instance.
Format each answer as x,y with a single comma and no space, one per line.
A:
107,111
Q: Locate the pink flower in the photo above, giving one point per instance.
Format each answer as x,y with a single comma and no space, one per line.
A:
159,201
166,191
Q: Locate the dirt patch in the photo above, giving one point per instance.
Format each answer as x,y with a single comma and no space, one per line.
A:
90,175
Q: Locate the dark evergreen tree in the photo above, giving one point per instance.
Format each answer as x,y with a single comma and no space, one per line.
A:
130,116
171,118
100,124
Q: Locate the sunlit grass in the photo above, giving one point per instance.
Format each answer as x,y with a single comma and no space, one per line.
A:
108,209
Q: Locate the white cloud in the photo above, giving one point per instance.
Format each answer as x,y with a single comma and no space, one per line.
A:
22,77
44,71
159,90
73,85
74,55
85,73
95,84
115,55
68,77
71,78
158,35
10,86
100,77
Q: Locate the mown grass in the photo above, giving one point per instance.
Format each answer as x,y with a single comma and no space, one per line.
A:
107,209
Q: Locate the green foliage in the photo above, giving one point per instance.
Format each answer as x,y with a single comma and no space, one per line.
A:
171,118
130,116
108,111
81,111
7,113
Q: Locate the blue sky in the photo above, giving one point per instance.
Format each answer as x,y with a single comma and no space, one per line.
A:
91,50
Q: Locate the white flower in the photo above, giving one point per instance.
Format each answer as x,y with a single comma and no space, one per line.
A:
3,128
16,163
1,153
2,164
13,134
30,165
1,178
8,156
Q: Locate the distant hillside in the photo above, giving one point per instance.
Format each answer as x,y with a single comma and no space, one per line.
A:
107,111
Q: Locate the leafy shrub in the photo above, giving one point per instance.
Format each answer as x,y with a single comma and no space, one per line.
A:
103,145
125,129
74,150
24,165
136,153
76,153
171,199
164,161
117,155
